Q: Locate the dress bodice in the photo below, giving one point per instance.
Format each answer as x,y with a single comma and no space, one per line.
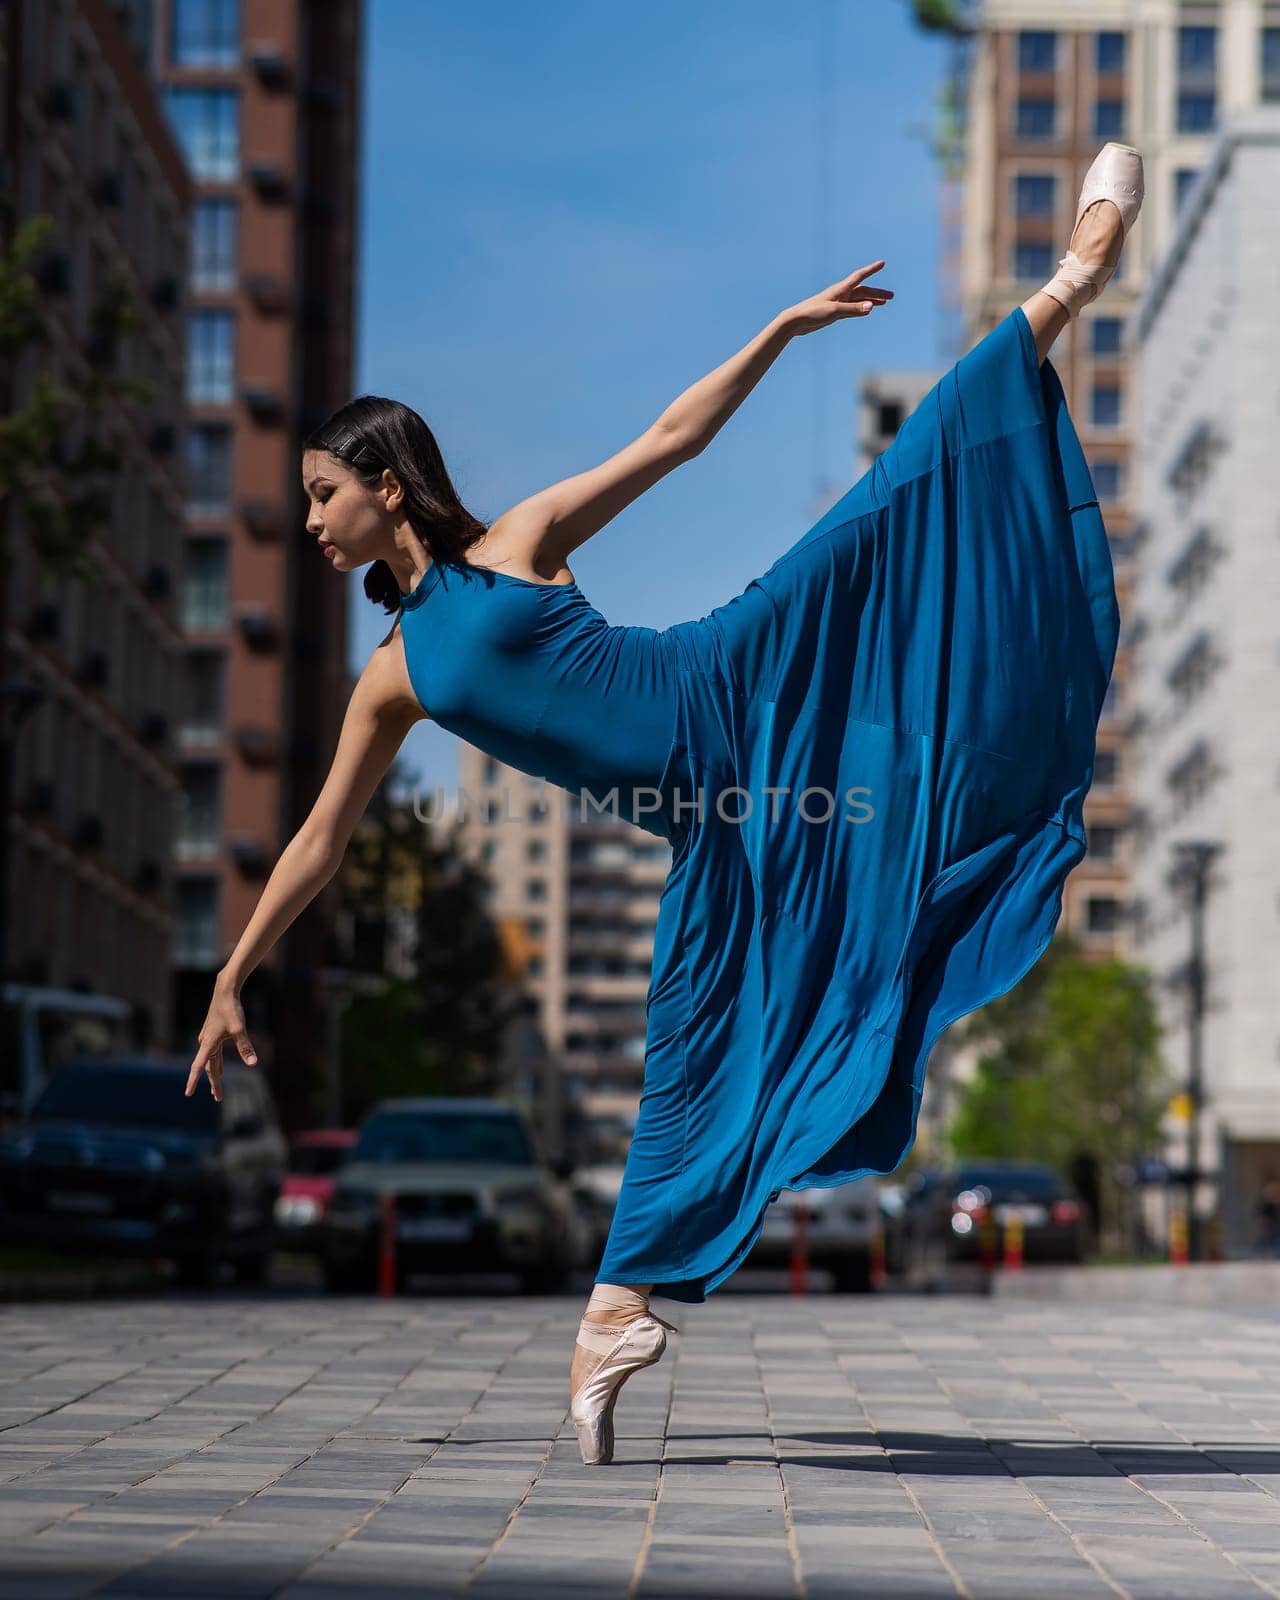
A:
532,674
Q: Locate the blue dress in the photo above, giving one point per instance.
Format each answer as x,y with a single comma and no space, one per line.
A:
892,732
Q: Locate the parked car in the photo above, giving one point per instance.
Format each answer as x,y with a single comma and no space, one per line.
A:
596,1190
471,1194
114,1157
316,1156
944,1213
840,1224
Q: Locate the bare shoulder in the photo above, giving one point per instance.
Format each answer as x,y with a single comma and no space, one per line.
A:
519,543
386,680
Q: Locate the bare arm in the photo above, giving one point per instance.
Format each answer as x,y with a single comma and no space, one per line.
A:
549,525
379,714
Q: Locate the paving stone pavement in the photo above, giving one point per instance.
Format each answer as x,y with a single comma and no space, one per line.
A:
819,1446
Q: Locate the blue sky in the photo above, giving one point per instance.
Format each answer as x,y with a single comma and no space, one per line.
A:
569,213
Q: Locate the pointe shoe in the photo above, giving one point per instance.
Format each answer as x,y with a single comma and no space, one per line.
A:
1116,175
640,1343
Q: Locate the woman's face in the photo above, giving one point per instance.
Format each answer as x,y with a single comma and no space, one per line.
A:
353,524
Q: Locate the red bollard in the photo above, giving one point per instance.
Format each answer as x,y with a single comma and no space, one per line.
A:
1013,1244
879,1273
799,1283
1178,1233
387,1247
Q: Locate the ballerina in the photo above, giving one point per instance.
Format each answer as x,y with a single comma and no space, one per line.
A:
931,658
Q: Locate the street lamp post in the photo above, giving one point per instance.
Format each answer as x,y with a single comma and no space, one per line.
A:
1193,858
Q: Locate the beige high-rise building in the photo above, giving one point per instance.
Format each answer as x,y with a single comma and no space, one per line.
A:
580,887
1049,84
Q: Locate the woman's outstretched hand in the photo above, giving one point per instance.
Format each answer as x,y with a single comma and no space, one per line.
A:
850,297
224,1021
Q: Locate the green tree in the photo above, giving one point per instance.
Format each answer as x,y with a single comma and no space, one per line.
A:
438,1029
57,453
1072,1067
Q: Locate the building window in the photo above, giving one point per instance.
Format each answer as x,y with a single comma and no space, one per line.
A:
535,849
210,357
490,770
1105,335
214,226
1103,839
1108,477
1197,56
1195,113
206,123
1033,194
200,812
1102,913
1035,118
205,674
1269,64
204,33
196,943
204,594
1106,769
208,469
1037,50
1183,179
1104,400
535,889
1108,119
1033,260
1109,52
535,927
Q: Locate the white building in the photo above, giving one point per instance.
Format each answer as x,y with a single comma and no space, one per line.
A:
1205,635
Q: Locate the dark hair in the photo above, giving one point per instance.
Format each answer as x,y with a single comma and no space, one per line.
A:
369,434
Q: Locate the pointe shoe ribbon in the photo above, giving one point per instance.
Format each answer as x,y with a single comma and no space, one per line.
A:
1115,174
640,1343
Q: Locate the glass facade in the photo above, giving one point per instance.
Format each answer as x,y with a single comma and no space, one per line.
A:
206,124
214,232
204,33
211,357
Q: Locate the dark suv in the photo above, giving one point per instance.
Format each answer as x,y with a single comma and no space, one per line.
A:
115,1158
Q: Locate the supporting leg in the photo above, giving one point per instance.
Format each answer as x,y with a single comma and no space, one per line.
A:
611,1306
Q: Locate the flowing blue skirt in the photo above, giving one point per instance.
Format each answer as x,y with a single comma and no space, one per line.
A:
909,698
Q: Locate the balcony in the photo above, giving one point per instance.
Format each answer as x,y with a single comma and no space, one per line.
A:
158,583
258,745
149,877
61,102
153,729
269,292
162,439
95,669
258,627
269,179
250,854
166,292
264,520
108,190
268,63
263,403
53,272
